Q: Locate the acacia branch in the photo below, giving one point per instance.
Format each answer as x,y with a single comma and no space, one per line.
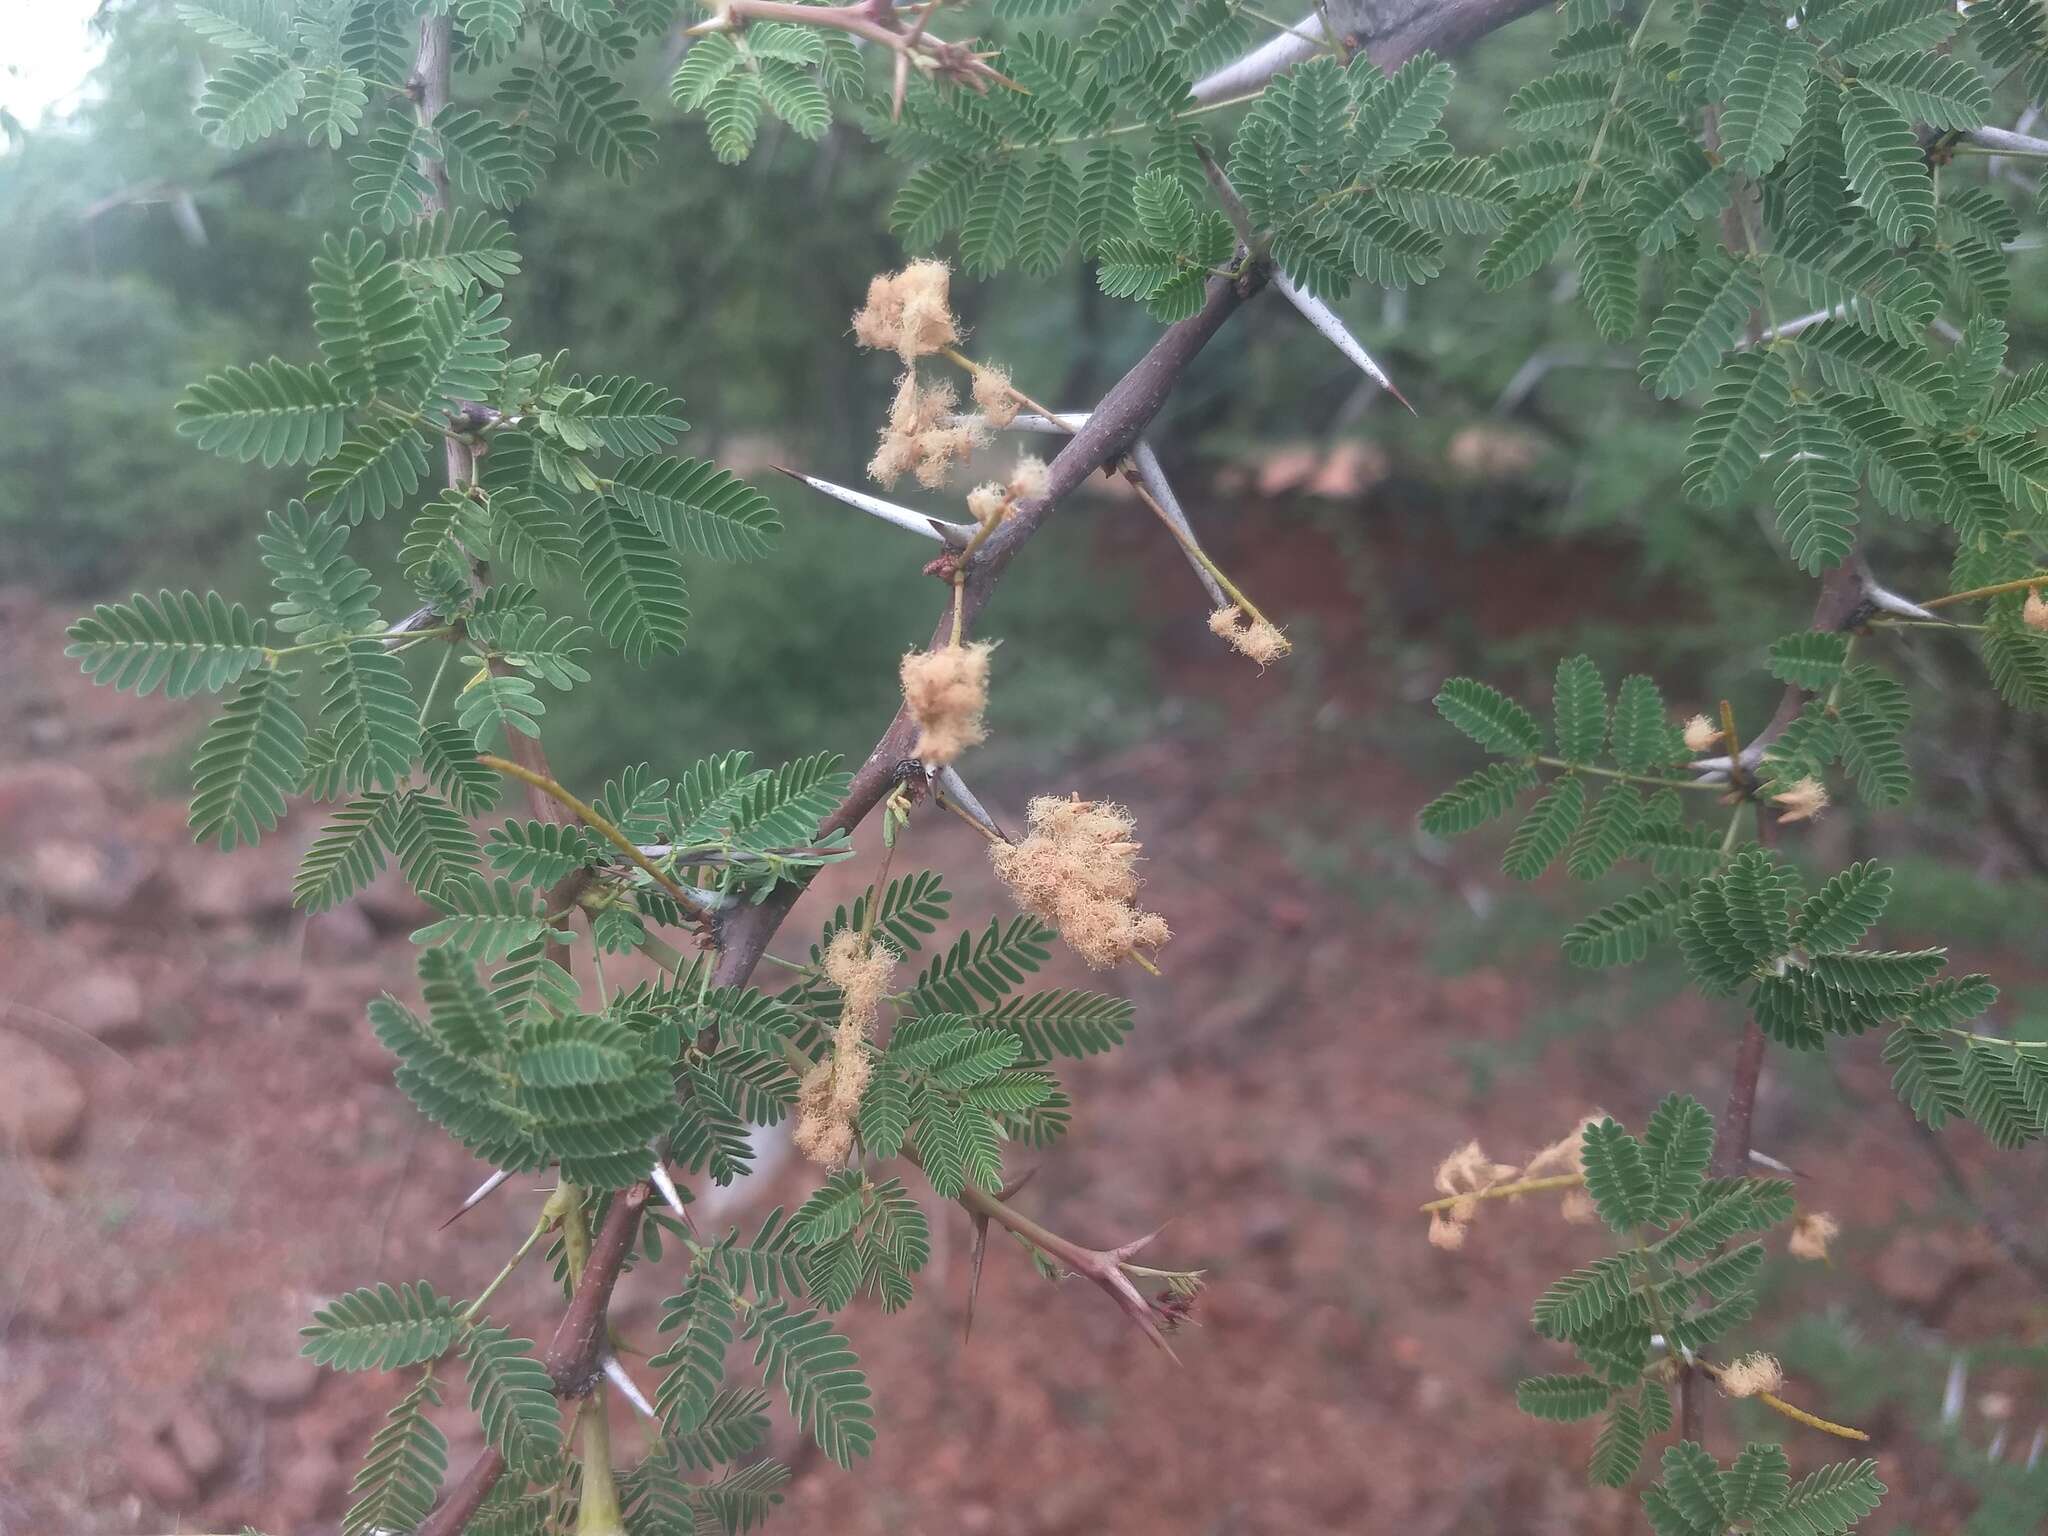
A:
1391,32
575,1357
1112,429
591,817
1845,601
430,87
875,23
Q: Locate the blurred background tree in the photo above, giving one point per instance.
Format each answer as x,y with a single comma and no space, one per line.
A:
138,256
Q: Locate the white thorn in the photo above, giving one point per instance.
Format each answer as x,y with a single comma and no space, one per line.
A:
1891,602
1152,475
2000,138
1952,1393
2036,1446
1066,424
484,1189
948,782
615,1373
1324,319
1263,62
667,1186
1764,1159
1714,770
937,529
1789,328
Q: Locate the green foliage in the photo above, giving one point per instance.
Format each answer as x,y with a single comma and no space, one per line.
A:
274,411
249,761
178,642
401,1474
1676,1283
511,1395
820,1375
1562,1398
1696,1497
379,1329
1815,194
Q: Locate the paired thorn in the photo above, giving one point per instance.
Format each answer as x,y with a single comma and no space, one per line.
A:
1887,601
477,1197
659,1177
980,1252
1103,1268
952,792
1152,476
616,1374
952,535
1066,424
1324,319
1107,1271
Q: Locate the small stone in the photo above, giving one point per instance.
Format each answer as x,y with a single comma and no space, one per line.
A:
344,933
198,1444
284,1382
105,1004
79,875
312,1481
156,1473
1920,1269
42,1101
49,799
392,905
49,733
220,890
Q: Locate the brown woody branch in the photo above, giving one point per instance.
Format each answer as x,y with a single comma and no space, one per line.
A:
1111,431
1113,428
430,87
1844,602
875,21
1391,32
575,1357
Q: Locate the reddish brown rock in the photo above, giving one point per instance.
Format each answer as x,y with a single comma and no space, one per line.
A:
1921,1269
73,876
155,1472
313,1482
47,800
199,1445
392,905
283,1382
342,934
42,1101
106,1004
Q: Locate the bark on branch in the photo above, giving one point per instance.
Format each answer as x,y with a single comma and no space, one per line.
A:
575,1357
1391,32
1111,431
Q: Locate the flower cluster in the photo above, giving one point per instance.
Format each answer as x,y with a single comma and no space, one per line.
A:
992,500
830,1095
1468,1174
946,692
1811,1235
909,313
922,435
1752,1376
1078,870
1260,639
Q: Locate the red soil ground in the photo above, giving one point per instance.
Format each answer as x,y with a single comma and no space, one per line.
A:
1293,1081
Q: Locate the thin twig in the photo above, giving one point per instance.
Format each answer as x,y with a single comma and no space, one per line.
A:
591,817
